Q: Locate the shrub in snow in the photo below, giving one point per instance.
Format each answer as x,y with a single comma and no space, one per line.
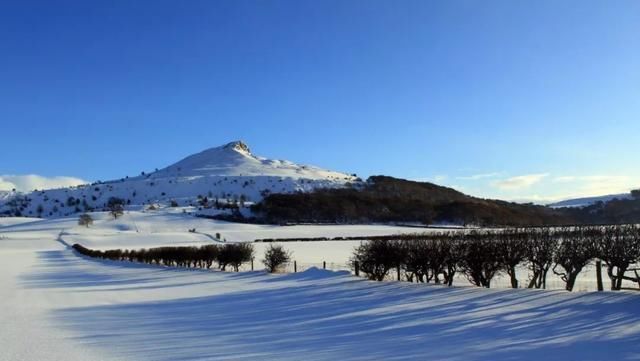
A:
431,259
234,255
511,247
209,254
376,258
85,220
481,259
619,248
575,251
115,206
541,245
275,257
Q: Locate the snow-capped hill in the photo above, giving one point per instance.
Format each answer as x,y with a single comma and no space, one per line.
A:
236,159
5,195
216,176
587,201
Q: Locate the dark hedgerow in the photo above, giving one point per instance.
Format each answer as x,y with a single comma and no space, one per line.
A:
377,258
233,254
438,257
482,254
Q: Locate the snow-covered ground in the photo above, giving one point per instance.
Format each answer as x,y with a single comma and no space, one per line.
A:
170,227
56,305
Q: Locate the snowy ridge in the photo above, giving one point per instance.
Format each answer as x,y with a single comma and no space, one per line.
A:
587,201
229,174
236,159
5,195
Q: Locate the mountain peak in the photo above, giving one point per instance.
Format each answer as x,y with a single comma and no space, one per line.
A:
235,159
238,146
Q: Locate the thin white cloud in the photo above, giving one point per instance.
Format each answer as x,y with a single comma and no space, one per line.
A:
565,179
519,182
438,178
597,185
29,182
536,199
480,176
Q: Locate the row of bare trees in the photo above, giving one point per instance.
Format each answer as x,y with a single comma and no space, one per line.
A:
228,255
480,255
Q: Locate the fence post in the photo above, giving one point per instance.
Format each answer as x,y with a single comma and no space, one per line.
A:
599,274
398,269
357,267
324,264
295,267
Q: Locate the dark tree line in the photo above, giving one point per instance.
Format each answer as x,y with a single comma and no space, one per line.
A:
388,199
480,255
228,255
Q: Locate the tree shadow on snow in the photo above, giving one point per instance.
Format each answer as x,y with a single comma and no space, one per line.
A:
320,316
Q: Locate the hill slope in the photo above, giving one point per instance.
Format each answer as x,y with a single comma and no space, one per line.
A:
588,201
387,199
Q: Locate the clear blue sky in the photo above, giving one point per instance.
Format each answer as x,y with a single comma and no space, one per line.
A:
510,99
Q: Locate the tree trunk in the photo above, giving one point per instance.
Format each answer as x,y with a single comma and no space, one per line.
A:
571,280
512,274
533,281
612,278
599,274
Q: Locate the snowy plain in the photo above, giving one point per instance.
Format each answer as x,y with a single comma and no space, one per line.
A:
57,305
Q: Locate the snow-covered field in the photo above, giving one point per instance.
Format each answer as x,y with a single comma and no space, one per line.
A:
56,305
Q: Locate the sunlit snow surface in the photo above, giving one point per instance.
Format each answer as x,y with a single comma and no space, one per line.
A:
56,305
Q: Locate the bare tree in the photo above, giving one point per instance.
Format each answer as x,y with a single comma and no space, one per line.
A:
115,207
441,251
416,263
234,255
511,247
539,250
481,260
275,257
432,258
377,257
209,254
619,248
575,251
85,220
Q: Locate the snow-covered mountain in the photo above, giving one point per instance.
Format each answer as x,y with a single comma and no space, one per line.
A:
5,195
587,201
236,159
230,173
